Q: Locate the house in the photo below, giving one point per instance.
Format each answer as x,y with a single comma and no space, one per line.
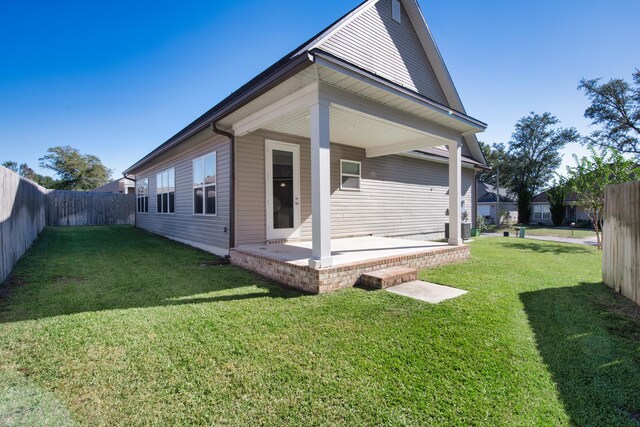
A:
487,203
122,185
541,211
344,156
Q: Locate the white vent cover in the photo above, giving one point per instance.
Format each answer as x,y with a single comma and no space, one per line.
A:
395,11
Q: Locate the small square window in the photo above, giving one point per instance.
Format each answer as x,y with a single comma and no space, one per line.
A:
350,174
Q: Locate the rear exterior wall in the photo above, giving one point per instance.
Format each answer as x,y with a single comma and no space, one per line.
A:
399,196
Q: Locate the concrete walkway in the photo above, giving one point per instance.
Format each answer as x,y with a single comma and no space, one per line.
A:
425,291
589,241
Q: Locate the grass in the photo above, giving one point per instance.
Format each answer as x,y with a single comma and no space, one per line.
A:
114,326
536,230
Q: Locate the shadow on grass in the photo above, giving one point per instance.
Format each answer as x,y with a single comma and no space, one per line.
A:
547,247
588,337
90,269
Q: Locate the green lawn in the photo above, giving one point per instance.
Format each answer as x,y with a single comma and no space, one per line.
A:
113,326
535,230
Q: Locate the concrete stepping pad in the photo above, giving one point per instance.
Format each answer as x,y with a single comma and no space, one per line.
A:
425,291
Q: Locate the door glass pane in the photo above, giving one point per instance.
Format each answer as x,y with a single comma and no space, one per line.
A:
282,189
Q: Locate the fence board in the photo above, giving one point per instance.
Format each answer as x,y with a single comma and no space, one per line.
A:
621,250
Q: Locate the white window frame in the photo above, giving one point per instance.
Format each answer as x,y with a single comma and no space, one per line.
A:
142,183
542,211
350,175
204,186
166,192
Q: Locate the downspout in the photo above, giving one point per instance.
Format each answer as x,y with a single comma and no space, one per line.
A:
232,183
135,215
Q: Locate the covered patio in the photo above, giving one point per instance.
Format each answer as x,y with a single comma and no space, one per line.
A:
333,102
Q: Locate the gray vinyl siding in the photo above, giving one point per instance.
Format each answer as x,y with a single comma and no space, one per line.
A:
375,42
399,196
207,232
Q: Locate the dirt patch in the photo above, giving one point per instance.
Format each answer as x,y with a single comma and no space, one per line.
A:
66,280
219,261
621,314
15,281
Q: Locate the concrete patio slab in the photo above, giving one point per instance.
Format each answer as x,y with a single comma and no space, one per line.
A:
427,292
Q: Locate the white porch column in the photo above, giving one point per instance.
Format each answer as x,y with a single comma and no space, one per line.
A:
455,188
320,185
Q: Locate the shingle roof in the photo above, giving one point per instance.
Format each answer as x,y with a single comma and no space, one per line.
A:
487,194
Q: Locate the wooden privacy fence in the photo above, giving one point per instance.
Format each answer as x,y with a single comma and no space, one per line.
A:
25,208
22,217
621,250
72,208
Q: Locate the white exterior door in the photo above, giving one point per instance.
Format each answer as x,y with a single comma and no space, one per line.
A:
282,177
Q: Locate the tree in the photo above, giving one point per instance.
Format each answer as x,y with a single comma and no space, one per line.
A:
591,175
556,196
76,171
25,171
534,157
615,106
497,158
11,165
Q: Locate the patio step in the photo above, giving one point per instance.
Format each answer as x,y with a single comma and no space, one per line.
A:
387,277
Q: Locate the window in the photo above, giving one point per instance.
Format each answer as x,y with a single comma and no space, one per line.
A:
484,210
349,175
142,195
395,11
204,185
541,212
166,191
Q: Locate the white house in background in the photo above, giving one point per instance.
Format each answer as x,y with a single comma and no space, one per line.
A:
541,211
353,148
487,203
122,185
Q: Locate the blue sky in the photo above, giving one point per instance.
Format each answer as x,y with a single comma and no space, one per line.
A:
118,78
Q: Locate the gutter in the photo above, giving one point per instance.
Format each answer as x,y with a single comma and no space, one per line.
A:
232,182
135,216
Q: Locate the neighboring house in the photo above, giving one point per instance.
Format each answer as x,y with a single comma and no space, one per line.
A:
122,185
541,213
487,203
357,132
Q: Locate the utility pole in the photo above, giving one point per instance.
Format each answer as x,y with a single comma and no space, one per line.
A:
498,216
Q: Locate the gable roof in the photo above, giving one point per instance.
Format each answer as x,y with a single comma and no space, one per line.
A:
542,198
487,194
302,57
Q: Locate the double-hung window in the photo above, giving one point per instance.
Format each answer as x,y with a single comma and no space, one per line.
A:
204,185
541,212
142,195
350,173
166,191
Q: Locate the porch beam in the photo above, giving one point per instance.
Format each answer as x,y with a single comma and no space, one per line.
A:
320,184
402,147
455,189
300,99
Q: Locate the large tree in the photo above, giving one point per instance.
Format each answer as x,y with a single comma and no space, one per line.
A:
76,171
592,174
534,157
615,107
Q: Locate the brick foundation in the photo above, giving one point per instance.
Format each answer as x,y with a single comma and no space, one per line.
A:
342,276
